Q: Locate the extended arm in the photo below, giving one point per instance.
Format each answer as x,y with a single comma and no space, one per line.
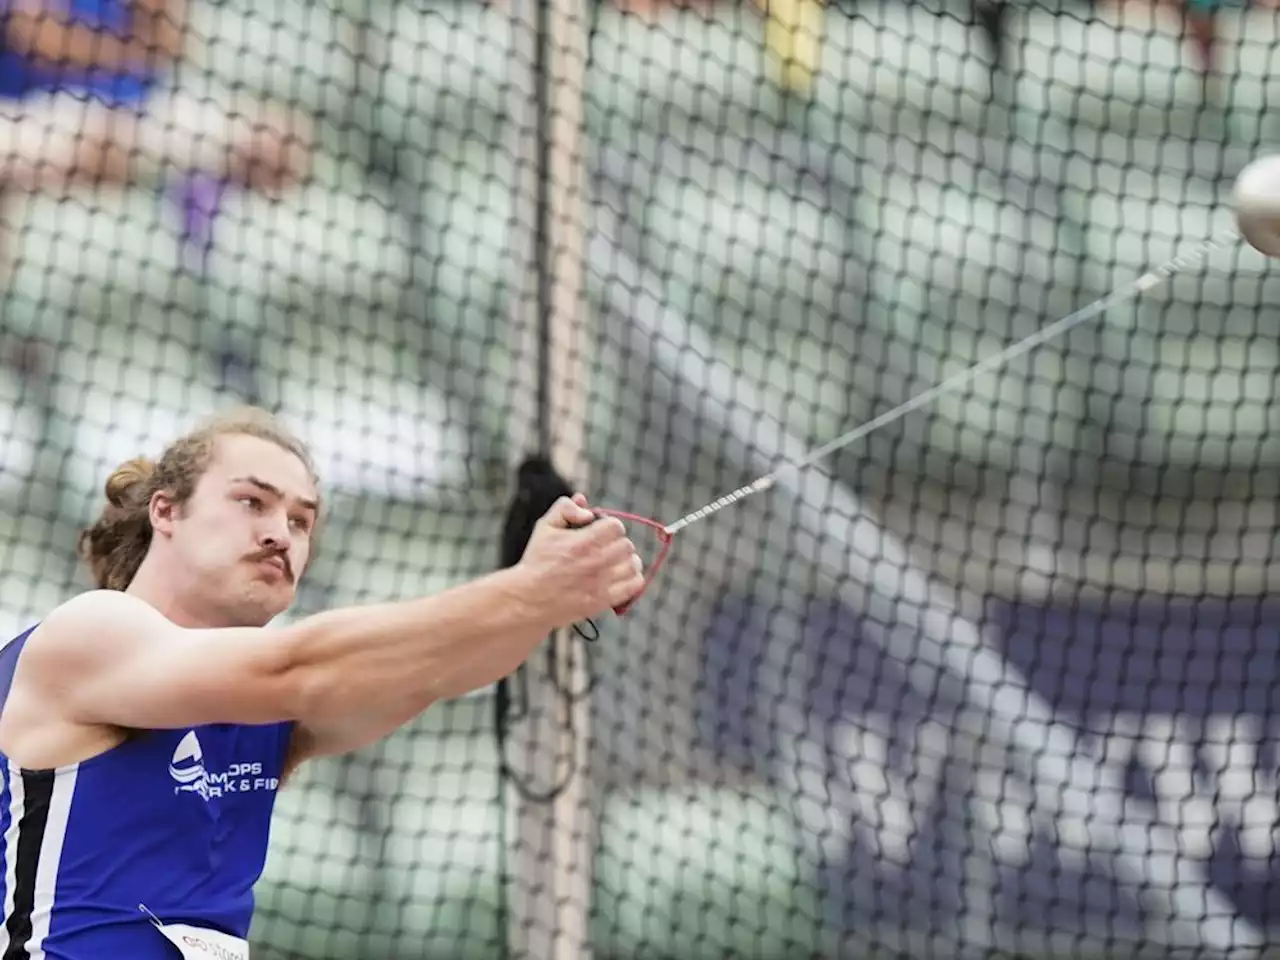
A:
109,658
113,659
327,733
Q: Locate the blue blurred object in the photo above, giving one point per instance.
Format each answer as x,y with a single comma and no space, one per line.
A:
1154,665
118,86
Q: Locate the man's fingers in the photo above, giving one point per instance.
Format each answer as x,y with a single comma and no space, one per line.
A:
615,554
567,513
624,571
625,590
608,529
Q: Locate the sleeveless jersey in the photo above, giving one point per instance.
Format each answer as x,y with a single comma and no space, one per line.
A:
173,822
20,77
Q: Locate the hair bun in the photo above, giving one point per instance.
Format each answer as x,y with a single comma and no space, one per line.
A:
128,481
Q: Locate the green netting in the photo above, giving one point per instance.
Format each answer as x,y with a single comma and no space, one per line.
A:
826,730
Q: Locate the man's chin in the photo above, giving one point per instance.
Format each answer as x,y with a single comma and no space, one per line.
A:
263,602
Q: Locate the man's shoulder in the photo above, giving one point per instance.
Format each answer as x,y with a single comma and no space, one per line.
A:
39,667
97,601
88,620
97,610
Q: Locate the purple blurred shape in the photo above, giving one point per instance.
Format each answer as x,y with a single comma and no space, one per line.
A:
198,197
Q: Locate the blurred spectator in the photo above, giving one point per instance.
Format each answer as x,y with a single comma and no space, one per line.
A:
1195,21
652,10
80,104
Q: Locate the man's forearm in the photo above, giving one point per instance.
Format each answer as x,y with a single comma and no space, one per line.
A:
436,647
343,733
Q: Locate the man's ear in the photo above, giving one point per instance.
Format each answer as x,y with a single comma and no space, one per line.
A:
163,512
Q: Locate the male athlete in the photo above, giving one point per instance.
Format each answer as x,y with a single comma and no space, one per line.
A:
148,724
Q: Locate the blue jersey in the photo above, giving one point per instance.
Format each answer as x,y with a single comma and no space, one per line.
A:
173,821
21,77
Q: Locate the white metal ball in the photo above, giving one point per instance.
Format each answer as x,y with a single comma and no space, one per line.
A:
1256,199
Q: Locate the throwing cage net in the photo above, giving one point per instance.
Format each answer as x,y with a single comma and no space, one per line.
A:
998,680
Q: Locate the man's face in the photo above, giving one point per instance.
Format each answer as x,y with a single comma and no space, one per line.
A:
244,537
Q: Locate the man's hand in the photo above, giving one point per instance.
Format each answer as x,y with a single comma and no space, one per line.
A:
580,566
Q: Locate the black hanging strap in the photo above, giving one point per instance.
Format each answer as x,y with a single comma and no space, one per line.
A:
538,486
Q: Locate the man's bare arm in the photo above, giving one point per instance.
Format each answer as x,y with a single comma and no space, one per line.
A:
322,737
111,659
330,734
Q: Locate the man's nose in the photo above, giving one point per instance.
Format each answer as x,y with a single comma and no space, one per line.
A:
274,532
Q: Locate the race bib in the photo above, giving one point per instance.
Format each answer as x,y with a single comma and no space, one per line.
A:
198,943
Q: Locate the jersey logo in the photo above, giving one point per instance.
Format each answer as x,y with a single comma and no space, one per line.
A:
187,767
188,770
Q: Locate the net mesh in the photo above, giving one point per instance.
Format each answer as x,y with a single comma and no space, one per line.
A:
999,680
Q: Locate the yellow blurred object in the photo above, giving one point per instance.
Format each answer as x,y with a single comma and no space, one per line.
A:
793,41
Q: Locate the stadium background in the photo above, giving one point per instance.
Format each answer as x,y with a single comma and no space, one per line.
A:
1000,678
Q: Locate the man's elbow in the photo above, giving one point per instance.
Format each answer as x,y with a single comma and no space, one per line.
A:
310,683
301,688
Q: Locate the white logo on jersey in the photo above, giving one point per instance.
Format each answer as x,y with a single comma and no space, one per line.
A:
188,770
187,766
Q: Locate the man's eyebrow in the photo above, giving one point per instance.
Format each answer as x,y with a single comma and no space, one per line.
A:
276,491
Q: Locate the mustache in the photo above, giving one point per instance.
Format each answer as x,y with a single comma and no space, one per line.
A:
272,554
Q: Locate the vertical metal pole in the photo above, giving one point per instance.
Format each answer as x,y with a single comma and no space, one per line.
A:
551,840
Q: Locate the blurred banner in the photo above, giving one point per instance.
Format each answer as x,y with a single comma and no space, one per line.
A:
1175,701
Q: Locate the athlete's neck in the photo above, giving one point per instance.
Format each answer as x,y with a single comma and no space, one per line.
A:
152,587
